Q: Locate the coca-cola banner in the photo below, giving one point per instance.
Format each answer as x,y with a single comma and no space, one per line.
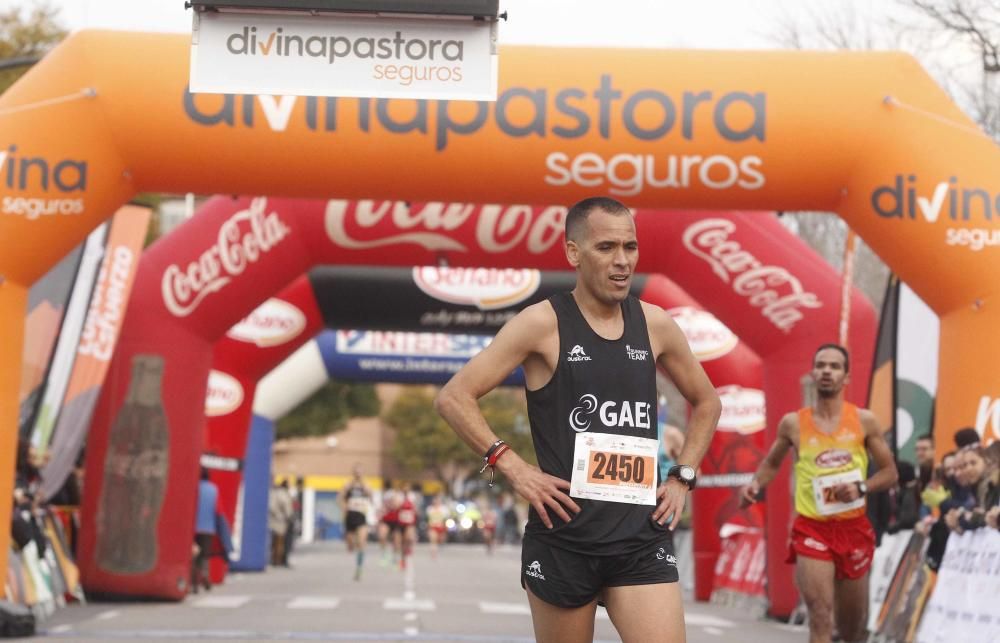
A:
211,272
251,348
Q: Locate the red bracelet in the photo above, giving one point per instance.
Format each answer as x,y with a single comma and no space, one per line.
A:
502,449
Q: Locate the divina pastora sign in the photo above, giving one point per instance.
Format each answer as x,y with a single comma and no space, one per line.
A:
326,55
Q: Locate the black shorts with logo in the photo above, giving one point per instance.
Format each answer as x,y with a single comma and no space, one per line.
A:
569,579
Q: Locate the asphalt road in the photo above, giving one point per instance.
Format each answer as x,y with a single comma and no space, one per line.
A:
464,595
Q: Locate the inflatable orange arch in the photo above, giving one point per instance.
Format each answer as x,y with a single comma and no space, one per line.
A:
866,135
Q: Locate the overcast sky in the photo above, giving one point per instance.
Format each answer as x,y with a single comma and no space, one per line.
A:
709,24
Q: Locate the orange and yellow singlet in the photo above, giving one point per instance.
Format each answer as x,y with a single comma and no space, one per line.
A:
826,460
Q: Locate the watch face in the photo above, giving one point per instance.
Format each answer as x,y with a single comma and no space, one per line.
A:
686,473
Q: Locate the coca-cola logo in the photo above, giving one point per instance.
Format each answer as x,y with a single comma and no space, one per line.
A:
225,394
242,240
485,288
833,458
778,293
743,410
273,323
708,337
499,228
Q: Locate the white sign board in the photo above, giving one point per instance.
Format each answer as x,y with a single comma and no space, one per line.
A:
242,53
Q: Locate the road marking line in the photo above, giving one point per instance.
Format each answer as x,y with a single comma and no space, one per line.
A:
226,602
706,620
488,607
60,629
411,631
713,631
313,603
602,614
404,604
104,616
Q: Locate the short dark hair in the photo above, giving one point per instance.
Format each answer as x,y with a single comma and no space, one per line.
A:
966,436
578,214
836,347
926,436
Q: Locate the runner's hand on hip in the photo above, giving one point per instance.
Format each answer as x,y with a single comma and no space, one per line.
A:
543,491
671,495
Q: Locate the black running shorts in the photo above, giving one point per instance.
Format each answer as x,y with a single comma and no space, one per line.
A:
354,520
569,579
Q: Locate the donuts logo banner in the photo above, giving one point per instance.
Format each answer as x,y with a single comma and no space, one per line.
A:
340,56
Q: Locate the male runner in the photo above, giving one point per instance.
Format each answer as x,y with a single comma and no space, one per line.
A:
597,525
832,541
357,503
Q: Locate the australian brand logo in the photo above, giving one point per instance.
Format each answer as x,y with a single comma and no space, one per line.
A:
619,414
778,293
534,570
577,354
498,228
484,288
946,202
242,240
636,354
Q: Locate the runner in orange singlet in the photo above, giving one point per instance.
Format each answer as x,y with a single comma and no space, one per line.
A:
832,541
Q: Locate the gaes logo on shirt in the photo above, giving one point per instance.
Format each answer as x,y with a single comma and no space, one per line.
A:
577,354
612,414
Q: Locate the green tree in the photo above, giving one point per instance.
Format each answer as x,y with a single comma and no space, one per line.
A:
26,37
425,442
328,410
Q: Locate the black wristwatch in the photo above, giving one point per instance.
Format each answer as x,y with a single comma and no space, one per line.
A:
685,474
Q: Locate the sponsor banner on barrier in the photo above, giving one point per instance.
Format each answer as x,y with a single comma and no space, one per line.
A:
273,323
333,55
742,562
964,604
907,593
884,563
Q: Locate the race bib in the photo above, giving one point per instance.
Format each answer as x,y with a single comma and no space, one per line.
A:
826,503
357,504
614,468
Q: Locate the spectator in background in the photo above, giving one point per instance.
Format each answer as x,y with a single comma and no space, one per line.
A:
204,530
279,513
925,459
967,437
978,469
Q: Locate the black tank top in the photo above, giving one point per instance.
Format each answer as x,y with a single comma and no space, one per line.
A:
618,373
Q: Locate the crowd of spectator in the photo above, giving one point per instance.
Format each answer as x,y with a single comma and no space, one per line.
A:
959,493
